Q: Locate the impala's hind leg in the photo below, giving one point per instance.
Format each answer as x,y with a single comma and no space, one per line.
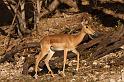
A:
50,54
39,57
77,53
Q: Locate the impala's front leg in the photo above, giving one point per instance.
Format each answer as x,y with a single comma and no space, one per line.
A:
65,58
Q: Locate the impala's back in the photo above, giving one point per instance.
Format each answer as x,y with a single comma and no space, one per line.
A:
58,42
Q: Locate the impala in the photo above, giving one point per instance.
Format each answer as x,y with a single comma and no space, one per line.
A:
51,43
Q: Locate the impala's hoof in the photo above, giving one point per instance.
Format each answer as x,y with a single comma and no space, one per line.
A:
51,73
35,76
76,69
63,74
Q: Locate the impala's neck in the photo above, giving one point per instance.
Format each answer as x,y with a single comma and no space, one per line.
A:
79,37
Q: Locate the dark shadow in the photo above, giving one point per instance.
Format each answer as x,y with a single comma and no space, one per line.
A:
29,8
5,15
63,7
115,6
106,19
45,70
3,32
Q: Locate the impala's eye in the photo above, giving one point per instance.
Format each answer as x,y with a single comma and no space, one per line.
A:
86,27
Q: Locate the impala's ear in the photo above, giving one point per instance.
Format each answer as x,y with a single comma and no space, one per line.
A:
84,22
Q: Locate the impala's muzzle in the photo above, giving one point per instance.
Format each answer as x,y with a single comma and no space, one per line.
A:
94,35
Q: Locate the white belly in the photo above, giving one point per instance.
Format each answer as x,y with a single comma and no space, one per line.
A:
56,48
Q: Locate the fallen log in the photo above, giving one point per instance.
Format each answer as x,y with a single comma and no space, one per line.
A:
9,55
54,5
108,49
109,7
109,44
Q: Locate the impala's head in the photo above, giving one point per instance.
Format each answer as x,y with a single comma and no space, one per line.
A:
87,29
